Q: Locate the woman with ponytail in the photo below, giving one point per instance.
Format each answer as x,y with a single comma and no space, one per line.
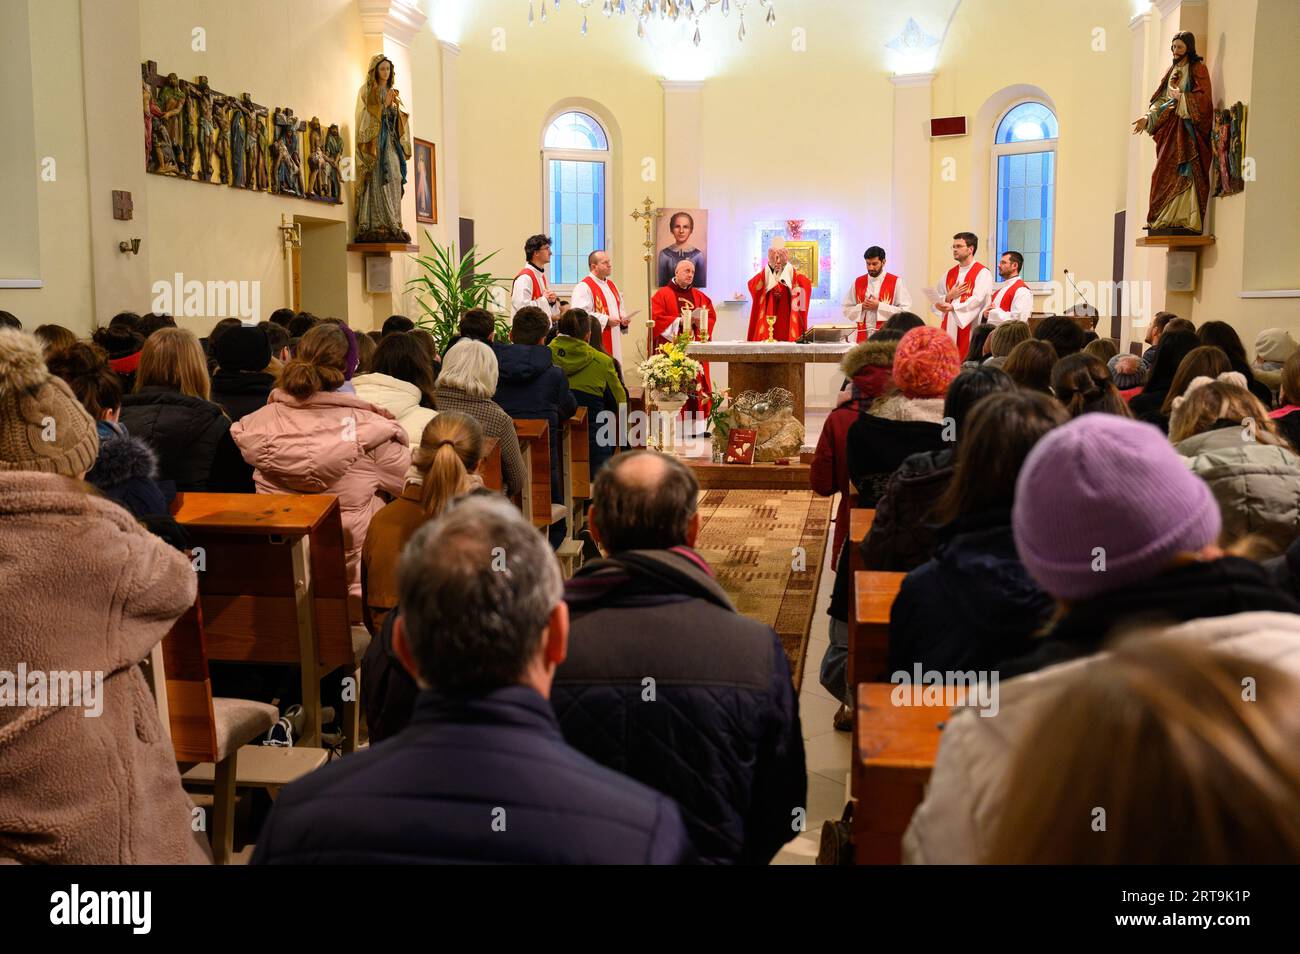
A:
443,468
1082,383
313,438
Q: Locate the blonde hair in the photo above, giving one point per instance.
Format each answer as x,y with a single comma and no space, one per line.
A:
318,364
471,366
173,358
1161,736
1204,405
450,449
1006,336
1103,349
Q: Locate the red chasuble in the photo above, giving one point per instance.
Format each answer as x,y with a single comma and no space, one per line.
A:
886,296
791,322
665,307
963,334
602,308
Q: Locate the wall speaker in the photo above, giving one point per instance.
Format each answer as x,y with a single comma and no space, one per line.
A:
1180,271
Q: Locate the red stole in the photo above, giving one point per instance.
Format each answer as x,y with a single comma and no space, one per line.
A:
598,296
1009,295
963,334
886,296
538,290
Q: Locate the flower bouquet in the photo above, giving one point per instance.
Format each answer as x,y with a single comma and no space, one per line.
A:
671,372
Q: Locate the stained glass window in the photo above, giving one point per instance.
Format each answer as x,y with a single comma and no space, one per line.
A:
576,188
1025,191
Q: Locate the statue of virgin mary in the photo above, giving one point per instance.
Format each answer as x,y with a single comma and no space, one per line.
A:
383,145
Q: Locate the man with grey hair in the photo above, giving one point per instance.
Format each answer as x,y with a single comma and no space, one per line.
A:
481,773
666,682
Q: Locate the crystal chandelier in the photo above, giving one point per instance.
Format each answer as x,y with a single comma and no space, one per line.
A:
671,11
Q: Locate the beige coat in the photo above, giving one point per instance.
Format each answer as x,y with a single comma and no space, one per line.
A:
956,821
85,587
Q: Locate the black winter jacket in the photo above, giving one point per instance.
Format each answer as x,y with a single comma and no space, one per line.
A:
191,437
125,472
971,606
531,387
1193,591
484,780
667,683
904,534
877,446
241,392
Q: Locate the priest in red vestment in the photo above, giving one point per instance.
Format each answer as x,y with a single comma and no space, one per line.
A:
781,291
666,312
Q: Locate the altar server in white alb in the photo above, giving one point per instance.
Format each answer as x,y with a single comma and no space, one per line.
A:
875,297
599,297
1012,300
531,287
964,292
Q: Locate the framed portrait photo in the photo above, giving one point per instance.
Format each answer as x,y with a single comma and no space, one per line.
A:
426,195
682,235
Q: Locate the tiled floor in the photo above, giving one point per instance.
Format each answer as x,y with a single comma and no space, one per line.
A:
825,750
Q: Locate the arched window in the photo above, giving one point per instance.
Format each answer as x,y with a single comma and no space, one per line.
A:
576,159
1024,187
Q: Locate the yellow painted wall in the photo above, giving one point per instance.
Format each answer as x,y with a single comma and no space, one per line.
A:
1273,228
510,82
995,44
1231,55
1232,51
785,132
307,54
60,133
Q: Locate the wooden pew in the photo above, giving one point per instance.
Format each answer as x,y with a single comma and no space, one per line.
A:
195,724
575,472
489,468
872,597
575,466
860,522
535,445
636,402
894,749
274,589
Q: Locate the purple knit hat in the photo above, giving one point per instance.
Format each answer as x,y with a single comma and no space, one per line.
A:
1103,502
350,362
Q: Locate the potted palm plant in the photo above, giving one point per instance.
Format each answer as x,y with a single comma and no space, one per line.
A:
449,286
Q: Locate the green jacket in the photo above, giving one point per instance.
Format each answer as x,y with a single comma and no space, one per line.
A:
589,370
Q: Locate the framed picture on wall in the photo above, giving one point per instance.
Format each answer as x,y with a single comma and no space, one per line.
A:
426,196
682,235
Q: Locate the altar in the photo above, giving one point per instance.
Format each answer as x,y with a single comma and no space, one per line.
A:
762,365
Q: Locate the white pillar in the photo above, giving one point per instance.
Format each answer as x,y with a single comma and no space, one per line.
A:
683,114
110,63
449,204
909,217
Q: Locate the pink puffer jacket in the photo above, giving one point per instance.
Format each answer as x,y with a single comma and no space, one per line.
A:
331,443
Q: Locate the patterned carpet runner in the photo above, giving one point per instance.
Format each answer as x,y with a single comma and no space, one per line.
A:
766,547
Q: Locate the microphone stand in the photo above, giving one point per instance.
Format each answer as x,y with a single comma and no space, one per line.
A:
1070,279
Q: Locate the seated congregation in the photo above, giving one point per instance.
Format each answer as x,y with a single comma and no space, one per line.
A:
1115,537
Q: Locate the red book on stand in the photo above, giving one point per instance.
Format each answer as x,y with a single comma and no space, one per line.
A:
740,445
